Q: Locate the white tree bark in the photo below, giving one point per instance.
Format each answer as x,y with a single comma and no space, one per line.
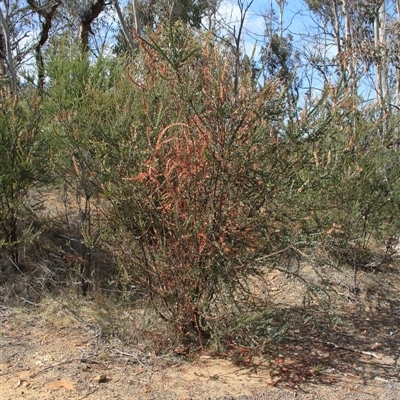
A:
397,99
351,59
9,56
138,25
381,62
384,66
125,29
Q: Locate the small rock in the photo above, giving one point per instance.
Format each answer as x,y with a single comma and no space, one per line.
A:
101,378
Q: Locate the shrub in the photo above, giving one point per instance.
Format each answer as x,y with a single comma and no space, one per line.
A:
197,205
201,185
77,104
343,178
24,154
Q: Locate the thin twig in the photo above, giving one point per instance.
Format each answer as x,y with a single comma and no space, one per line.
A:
367,353
74,314
16,266
276,253
133,356
53,366
336,346
30,302
88,394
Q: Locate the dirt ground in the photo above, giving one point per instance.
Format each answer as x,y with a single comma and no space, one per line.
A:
66,349
48,353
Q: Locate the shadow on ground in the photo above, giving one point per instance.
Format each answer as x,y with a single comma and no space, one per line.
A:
359,336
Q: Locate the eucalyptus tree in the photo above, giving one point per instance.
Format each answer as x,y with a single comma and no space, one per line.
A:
6,50
140,16
81,16
361,50
328,16
190,12
15,41
46,13
279,57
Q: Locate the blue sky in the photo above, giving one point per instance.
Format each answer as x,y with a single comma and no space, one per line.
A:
295,21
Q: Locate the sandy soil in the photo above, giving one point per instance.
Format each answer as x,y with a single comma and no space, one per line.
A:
45,353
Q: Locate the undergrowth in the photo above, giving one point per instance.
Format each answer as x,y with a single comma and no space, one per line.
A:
182,188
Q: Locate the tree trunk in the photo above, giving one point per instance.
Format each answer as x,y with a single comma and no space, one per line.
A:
125,30
351,60
338,40
381,79
3,63
8,56
87,18
44,35
397,100
138,25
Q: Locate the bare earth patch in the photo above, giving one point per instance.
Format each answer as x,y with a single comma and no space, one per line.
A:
352,356
39,361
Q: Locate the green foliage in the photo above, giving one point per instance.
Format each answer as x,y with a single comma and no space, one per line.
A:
199,186
340,193
83,105
24,155
197,203
154,14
